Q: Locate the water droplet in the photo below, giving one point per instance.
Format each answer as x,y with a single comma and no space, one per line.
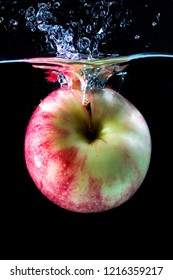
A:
88,28
95,15
71,12
30,13
137,37
102,13
109,20
42,5
47,15
1,19
87,5
154,23
22,11
83,43
43,27
74,24
31,25
56,5
68,38
62,80
13,22
158,16
123,23
49,5
100,34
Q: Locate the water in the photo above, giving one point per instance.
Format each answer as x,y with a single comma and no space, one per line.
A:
92,72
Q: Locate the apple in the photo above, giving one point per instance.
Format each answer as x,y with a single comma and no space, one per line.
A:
88,157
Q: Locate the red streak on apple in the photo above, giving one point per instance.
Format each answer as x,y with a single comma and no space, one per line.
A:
81,168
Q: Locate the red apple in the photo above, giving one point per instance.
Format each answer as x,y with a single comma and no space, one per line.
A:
87,158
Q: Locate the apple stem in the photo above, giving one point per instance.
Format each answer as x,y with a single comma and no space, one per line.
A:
87,106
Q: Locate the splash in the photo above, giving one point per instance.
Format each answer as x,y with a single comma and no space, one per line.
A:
68,36
82,29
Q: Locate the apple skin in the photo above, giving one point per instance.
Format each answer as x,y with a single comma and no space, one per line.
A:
82,174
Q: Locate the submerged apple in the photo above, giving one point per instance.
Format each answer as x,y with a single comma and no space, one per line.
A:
87,158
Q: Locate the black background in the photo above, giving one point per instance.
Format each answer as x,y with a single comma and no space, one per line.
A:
32,227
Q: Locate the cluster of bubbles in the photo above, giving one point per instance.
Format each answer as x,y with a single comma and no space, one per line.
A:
82,28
